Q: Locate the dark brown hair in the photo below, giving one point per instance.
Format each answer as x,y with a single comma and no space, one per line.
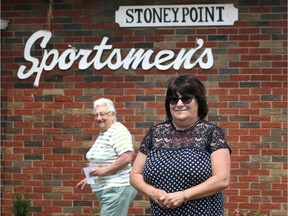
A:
187,85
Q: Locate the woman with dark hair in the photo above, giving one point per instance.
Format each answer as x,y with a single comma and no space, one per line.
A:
183,164
185,85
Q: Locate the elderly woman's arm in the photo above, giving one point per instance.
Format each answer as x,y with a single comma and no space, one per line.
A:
122,161
137,180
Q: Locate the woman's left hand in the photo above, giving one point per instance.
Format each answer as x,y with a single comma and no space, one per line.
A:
172,200
97,171
82,183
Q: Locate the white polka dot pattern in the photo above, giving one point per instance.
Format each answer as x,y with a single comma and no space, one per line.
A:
183,165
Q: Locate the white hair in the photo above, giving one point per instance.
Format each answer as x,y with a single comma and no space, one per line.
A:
104,102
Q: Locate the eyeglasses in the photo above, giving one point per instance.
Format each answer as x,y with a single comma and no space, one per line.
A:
173,100
101,114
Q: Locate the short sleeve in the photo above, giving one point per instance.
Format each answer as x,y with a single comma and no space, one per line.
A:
218,140
146,143
122,141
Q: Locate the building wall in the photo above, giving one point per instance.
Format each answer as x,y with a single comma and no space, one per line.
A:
47,130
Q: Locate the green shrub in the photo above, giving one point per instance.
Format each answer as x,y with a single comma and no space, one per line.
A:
21,203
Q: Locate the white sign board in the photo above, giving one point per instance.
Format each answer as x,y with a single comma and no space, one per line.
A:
85,58
176,15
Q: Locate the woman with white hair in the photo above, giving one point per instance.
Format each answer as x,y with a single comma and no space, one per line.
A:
110,159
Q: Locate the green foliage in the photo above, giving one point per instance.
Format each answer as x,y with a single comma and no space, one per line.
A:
21,203
95,211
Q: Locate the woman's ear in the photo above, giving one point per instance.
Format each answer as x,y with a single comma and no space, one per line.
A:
114,115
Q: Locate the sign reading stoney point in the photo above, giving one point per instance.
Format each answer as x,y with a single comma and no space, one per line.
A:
176,15
131,16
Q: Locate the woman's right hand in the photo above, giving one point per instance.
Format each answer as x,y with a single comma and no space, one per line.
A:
137,181
158,196
82,183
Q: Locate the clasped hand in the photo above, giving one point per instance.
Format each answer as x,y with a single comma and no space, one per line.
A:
167,200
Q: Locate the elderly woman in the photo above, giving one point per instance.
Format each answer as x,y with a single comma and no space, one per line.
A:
110,160
183,164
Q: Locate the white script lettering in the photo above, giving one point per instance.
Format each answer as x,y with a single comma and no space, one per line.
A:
163,60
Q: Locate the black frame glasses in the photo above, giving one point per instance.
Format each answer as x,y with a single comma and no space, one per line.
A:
101,114
173,100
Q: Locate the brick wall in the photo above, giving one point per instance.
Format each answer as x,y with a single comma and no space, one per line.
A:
46,130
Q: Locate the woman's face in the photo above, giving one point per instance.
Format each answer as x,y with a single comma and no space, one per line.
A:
103,118
184,112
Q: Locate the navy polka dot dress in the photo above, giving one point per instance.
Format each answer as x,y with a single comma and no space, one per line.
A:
180,159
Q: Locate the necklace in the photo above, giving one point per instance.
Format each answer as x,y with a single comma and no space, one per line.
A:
184,128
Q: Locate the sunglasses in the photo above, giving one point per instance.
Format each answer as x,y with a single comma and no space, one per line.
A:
173,100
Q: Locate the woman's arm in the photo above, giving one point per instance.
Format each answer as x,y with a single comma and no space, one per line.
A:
122,161
220,160
136,175
137,180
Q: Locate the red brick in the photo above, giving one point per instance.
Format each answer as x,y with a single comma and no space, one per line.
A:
248,78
